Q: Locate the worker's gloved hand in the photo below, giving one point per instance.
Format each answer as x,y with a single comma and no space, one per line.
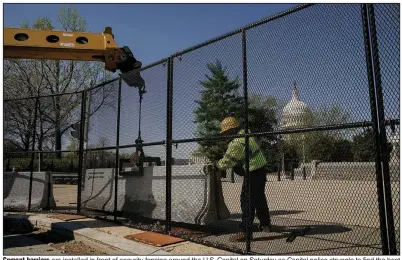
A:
222,172
239,170
210,168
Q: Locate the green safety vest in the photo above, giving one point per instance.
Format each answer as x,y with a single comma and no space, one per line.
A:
236,154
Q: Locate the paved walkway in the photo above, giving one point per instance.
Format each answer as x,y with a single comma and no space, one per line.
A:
107,236
345,202
343,215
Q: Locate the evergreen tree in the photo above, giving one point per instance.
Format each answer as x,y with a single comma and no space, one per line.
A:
219,98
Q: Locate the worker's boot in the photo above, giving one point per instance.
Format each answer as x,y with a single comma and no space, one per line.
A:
265,228
239,237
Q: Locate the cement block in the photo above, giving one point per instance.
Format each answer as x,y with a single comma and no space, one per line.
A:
134,192
16,191
197,197
348,171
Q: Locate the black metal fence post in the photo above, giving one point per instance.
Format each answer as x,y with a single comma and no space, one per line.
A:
382,133
81,151
49,188
247,175
168,162
292,173
116,173
8,168
31,166
379,177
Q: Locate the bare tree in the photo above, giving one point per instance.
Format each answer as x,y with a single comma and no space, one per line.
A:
50,77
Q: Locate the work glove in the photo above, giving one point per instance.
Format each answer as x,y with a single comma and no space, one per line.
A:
239,170
210,168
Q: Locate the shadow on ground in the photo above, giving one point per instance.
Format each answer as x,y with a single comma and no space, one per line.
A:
272,213
18,240
313,230
320,237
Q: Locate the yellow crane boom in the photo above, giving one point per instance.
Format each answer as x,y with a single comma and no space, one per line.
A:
80,46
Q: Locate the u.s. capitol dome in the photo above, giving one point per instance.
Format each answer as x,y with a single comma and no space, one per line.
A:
296,114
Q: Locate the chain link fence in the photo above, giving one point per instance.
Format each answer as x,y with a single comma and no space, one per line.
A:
40,153
316,88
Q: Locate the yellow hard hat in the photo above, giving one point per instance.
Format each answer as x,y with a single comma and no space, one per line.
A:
229,123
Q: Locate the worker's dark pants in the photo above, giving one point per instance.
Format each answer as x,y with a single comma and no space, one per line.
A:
258,200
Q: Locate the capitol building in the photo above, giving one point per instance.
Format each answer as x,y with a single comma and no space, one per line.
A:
296,114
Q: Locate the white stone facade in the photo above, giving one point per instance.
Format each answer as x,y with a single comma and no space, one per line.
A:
198,160
296,113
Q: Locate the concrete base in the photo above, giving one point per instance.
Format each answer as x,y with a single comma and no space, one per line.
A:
16,191
197,197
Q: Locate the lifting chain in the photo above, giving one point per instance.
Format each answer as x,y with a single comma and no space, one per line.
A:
139,151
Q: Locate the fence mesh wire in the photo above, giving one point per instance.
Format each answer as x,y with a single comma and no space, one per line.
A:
98,191
387,21
100,132
55,116
18,120
306,69
334,198
314,74
153,108
320,50
202,80
102,120
388,30
52,132
18,134
64,176
149,187
195,200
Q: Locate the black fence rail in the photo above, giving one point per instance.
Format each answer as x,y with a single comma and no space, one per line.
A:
316,88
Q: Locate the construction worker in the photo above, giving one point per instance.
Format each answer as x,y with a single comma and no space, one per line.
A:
235,158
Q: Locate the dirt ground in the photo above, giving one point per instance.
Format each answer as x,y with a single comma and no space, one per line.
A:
63,244
69,247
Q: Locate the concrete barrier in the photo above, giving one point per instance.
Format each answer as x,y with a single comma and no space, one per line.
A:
134,193
197,197
16,191
347,171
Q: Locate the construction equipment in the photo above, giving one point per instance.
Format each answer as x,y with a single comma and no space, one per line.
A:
80,46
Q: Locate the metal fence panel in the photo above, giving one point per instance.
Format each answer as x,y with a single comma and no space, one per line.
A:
153,108
324,112
18,121
309,68
194,76
207,87
387,21
101,121
99,157
54,156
